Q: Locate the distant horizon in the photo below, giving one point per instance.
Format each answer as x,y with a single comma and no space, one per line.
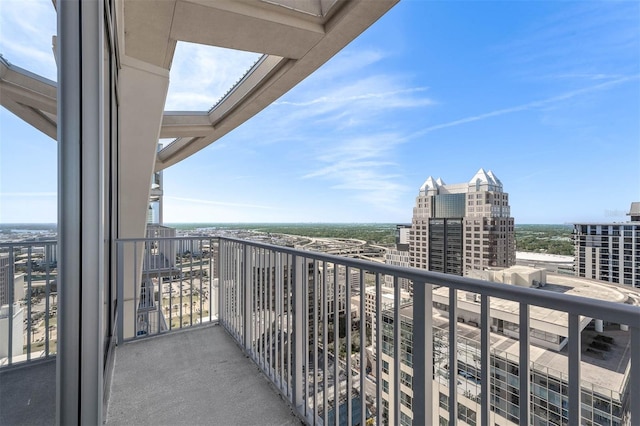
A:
7,224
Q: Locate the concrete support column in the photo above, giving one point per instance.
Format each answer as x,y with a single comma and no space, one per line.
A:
143,91
81,178
599,325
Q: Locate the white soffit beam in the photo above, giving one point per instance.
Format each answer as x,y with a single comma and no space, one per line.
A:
34,117
253,27
344,25
29,96
177,124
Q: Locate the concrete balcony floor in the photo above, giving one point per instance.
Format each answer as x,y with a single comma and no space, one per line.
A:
194,377
28,394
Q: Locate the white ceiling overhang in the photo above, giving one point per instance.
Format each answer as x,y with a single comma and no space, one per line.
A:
296,37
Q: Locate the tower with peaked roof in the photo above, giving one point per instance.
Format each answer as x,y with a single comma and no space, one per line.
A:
464,226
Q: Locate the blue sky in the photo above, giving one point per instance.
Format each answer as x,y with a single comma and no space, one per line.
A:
545,94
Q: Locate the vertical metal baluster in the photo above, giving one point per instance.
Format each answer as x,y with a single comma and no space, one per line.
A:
397,342
378,340
314,300
213,263
46,311
485,358
12,272
135,292
231,276
305,342
120,291
202,278
216,262
348,343
232,301
288,300
634,376
363,344
149,286
286,346
190,282
336,345
279,357
271,310
267,313
254,279
453,355
248,305
299,334
235,294
235,299
423,354
255,305
325,345
574,370
181,278
159,278
281,265
524,364
258,305
171,272
263,306
47,292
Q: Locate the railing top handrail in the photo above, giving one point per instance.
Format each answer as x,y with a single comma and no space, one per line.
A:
145,239
28,243
594,308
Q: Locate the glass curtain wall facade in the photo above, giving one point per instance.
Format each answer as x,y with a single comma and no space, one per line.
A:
549,393
88,135
111,138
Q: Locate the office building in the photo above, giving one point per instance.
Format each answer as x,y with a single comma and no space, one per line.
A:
609,251
461,227
399,256
5,279
605,360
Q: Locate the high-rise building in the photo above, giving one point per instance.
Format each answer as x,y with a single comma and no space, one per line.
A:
5,279
604,375
461,227
609,251
399,256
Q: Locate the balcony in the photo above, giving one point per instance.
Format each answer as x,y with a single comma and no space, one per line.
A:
224,331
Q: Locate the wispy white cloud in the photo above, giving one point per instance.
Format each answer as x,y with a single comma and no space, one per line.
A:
355,101
334,114
218,203
200,75
349,62
528,106
572,42
363,166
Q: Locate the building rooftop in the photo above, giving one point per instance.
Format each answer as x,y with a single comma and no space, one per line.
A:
547,318
608,373
543,257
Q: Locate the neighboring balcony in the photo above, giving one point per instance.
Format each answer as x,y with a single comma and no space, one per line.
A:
223,331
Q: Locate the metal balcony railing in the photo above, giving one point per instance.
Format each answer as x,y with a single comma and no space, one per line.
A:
170,284
28,301
321,328
278,304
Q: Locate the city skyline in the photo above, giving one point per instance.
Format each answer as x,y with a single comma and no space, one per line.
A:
545,94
